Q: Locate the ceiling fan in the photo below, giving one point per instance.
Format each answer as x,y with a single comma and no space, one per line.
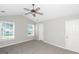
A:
33,11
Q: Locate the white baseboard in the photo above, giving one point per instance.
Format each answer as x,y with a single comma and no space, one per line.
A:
53,44
5,45
72,50
58,46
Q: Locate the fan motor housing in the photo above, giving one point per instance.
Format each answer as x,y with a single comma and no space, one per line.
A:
33,11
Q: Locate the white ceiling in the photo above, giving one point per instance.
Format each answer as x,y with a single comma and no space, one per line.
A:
50,10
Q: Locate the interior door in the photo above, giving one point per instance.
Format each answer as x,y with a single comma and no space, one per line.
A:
72,35
39,31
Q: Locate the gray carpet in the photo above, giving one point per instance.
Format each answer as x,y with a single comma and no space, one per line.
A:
34,47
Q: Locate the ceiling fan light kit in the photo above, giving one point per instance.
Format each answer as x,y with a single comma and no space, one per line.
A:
33,11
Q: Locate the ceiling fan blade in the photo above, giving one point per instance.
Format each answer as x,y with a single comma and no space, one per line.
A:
28,13
37,8
39,13
27,9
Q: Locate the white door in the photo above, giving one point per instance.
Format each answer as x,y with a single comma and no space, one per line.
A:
39,31
72,35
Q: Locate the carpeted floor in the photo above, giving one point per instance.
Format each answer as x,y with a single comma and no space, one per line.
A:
34,47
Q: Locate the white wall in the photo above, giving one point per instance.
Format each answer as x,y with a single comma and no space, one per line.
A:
54,32
21,24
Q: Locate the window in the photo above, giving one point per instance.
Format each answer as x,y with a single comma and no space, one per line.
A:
7,30
31,30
